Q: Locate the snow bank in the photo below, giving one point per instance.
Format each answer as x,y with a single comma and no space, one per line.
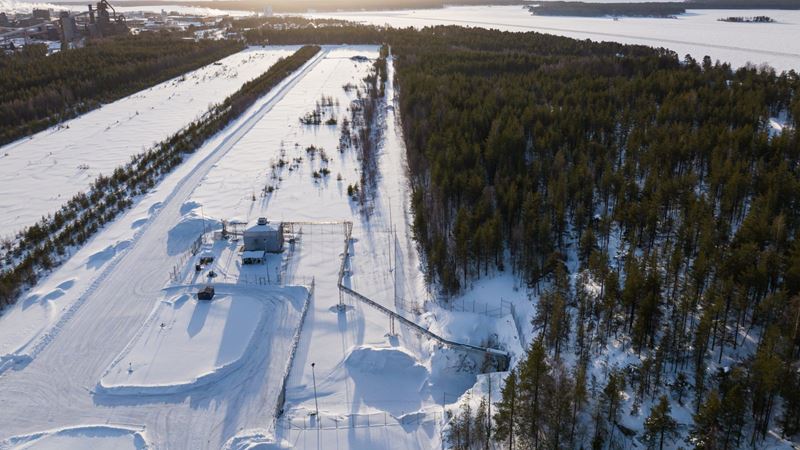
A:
96,437
188,343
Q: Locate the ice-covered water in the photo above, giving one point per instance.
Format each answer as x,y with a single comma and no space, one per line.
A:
698,32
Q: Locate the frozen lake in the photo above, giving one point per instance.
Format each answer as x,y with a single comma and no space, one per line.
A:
697,33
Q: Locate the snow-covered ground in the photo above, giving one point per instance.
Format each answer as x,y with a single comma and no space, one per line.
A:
40,173
93,320
697,32
58,348
389,387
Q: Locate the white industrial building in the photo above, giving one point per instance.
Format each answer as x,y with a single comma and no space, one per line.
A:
260,238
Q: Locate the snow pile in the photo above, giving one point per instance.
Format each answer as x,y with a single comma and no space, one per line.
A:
96,437
187,230
375,369
187,343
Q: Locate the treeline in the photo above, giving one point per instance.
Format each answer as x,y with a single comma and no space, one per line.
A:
38,91
321,33
568,8
662,178
41,247
365,122
740,19
284,23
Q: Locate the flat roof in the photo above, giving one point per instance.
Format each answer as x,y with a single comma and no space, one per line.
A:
253,254
256,228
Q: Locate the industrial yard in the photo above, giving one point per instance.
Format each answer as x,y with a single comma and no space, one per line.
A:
122,340
65,27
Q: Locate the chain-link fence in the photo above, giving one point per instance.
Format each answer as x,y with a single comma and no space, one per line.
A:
373,420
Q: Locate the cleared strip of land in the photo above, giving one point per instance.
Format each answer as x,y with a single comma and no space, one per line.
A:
40,173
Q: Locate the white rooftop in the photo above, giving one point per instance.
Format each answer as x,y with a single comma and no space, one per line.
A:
262,228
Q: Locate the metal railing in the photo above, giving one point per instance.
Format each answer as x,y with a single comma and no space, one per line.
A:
502,357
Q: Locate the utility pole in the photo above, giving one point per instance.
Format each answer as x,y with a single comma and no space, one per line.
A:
316,404
394,263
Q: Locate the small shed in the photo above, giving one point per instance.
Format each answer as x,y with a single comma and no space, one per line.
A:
207,293
253,256
264,236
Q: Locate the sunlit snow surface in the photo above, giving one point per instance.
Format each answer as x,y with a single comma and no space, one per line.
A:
40,173
698,32
188,341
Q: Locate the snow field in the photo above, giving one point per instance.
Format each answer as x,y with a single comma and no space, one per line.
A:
188,342
38,174
697,32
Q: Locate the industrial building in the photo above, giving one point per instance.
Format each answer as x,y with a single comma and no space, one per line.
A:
69,28
260,238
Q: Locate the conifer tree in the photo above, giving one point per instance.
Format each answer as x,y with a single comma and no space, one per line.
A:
659,427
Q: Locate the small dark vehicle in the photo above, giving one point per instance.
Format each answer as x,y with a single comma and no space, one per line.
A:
207,293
